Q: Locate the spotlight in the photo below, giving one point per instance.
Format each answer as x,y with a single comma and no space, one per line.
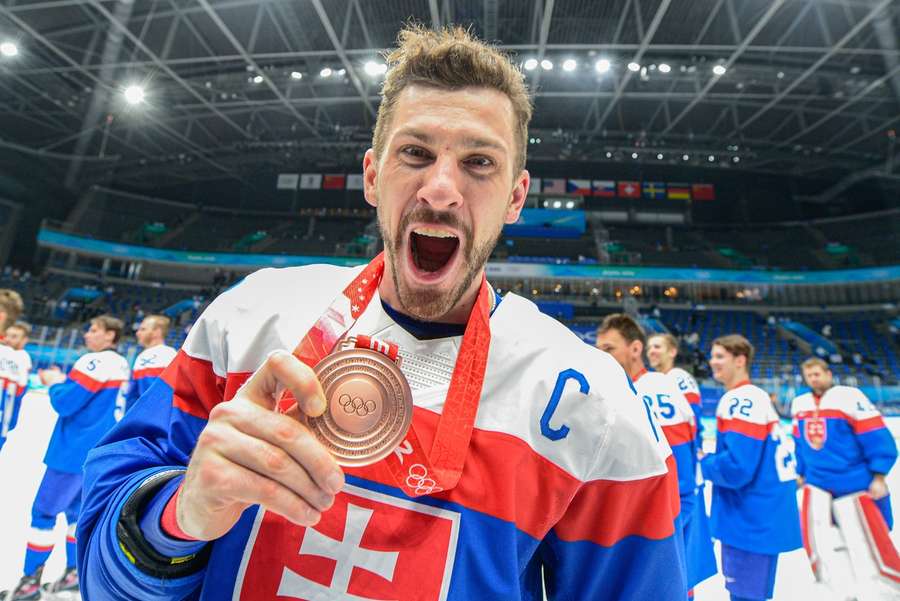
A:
296,75
134,94
780,75
9,49
569,64
634,67
634,155
736,160
374,69
719,70
546,64
531,64
711,158
608,154
685,157
664,68
557,204
659,156
326,72
602,65
258,79
342,72
570,204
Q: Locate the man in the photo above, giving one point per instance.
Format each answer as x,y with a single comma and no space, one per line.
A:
661,352
85,401
13,367
17,338
206,491
622,337
151,362
843,448
754,509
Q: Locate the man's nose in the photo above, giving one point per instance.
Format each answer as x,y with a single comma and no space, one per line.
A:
441,188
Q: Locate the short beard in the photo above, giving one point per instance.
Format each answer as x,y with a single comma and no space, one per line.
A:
429,304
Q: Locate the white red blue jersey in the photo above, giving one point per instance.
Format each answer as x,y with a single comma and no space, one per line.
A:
564,471
754,505
148,366
13,383
841,440
660,392
687,385
87,404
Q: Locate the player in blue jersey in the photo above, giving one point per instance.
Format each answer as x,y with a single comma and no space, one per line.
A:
85,400
205,491
754,508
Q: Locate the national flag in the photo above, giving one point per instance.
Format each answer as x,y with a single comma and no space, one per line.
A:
703,192
554,185
654,190
604,187
581,187
333,181
355,181
310,181
678,191
534,187
287,181
629,189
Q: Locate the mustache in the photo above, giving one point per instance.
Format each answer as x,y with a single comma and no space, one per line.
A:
427,215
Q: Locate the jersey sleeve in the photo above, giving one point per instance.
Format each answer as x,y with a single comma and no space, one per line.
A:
687,385
157,435
875,440
86,378
626,509
742,431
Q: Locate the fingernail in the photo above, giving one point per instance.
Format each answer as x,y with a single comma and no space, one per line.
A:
334,482
326,501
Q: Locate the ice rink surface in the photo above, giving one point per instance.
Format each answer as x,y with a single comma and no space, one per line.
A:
21,469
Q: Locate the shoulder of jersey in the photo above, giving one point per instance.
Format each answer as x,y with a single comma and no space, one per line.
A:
845,398
610,435
802,402
287,286
103,366
760,410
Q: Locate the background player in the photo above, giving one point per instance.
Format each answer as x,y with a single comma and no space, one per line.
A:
622,337
13,367
85,401
754,507
662,349
151,362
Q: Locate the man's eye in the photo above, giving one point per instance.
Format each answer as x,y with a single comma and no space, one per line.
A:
415,152
480,162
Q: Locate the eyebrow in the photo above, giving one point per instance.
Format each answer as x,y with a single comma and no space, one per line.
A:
471,142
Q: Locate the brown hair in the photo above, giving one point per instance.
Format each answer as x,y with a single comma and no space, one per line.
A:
624,325
737,345
670,340
452,59
21,325
110,324
11,304
814,362
160,321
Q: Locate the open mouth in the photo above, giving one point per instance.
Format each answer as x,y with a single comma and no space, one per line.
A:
432,249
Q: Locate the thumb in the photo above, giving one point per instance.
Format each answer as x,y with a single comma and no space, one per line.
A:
282,374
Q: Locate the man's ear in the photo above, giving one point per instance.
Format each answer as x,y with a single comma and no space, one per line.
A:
370,177
518,197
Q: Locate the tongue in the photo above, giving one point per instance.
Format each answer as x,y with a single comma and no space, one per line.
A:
432,253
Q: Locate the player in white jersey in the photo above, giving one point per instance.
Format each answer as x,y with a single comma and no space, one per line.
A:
662,349
151,362
622,337
16,338
13,368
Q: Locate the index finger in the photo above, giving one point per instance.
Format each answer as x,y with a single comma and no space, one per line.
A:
283,371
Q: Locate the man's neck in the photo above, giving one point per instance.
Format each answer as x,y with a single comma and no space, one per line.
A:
738,379
637,370
665,368
458,314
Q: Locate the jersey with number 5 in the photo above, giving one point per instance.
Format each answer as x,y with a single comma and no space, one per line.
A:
753,473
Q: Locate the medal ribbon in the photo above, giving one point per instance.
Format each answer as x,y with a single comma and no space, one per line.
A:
415,471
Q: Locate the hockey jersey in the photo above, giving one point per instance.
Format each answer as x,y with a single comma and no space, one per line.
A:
687,385
148,366
841,440
13,383
660,392
564,473
754,505
86,403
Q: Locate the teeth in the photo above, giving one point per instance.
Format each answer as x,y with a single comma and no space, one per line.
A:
433,233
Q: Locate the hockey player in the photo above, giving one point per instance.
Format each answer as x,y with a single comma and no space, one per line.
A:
85,401
151,362
661,352
13,368
16,338
622,337
754,509
844,452
529,455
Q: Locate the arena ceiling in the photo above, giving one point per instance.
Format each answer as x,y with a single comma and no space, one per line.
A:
806,87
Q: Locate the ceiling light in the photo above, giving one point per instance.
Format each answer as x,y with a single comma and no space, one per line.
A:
134,94
296,75
685,157
326,72
569,64
9,49
530,64
634,67
608,154
664,68
546,64
634,155
780,75
258,79
712,159
719,69
371,68
342,72
602,65
659,156
736,160
557,204
570,204
854,70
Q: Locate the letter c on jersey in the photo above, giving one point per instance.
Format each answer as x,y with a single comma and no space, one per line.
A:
564,376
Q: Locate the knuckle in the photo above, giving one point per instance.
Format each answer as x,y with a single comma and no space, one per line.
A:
223,411
285,432
276,461
209,437
269,491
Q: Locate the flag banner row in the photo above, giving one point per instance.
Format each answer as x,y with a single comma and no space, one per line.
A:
600,188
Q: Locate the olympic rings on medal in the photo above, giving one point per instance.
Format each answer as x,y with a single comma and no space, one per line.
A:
357,405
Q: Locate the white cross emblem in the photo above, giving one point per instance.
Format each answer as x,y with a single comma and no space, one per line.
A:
347,553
